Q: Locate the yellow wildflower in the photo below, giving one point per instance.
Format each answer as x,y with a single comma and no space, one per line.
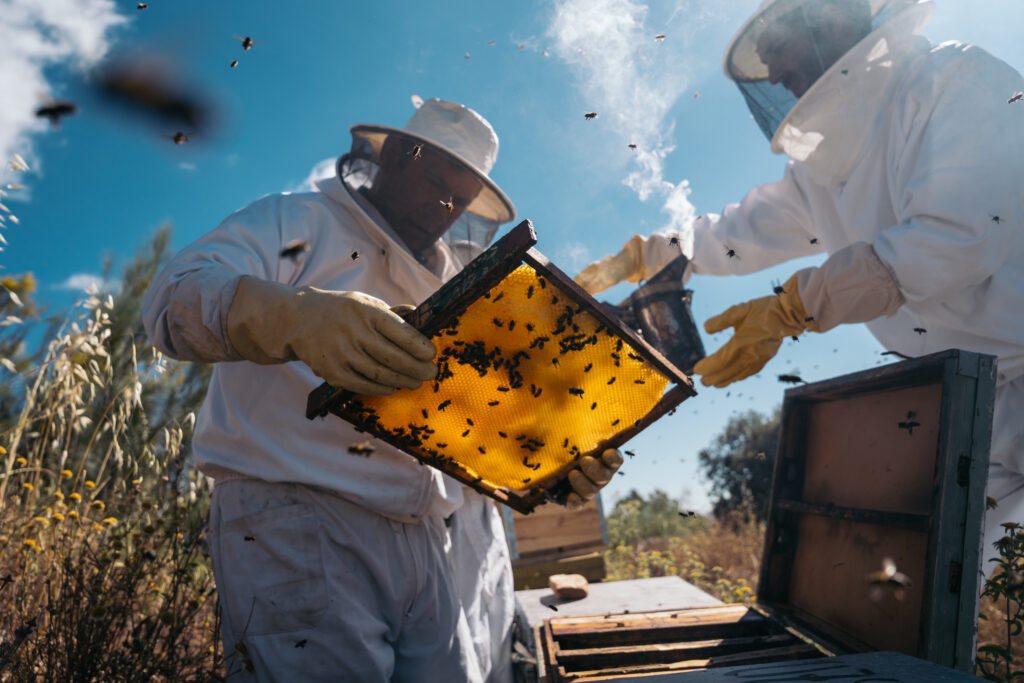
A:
42,521
179,535
3,451
73,514
97,527
75,497
90,484
59,517
110,520
58,495
137,481
28,486
20,461
744,589
29,543
65,473
99,505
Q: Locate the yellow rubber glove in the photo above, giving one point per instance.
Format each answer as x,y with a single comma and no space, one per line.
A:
591,476
760,326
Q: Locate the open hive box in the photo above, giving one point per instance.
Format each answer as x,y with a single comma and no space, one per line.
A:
533,375
887,463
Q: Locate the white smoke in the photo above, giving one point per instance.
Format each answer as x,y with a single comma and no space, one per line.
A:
321,170
633,81
36,34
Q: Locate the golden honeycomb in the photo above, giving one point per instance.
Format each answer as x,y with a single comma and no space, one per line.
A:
528,381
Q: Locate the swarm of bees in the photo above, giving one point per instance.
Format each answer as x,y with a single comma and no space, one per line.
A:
590,115
909,423
888,578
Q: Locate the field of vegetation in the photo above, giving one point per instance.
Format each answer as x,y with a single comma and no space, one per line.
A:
104,572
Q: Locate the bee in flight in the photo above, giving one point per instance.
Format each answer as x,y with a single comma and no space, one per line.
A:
590,115
909,423
631,145
247,42
888,578
1016,97
450,204
294,249
178,138
234,63
55,110
416,152
660,37
731,253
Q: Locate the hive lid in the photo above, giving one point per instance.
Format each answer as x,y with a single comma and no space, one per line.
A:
533,375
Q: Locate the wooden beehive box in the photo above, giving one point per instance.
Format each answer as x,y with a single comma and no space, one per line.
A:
886,463
533,375
556,540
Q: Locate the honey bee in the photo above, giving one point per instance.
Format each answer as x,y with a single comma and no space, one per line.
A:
696,94
234,63
995,219
490,42
416,152
777,288
731,253
814,240
301,643
17,163
590,115
141,6
178,138
450,204
888,578
920,330
660,37
249,539
355,255
55,110
247,42
792,379
687,513
364,448
1016,97
294,249
909,423
467,55
631,145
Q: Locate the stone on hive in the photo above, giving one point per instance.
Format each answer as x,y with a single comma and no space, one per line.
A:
568,586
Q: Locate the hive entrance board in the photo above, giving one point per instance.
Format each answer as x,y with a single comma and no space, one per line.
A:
533,375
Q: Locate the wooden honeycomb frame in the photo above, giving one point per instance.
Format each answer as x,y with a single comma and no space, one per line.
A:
442,310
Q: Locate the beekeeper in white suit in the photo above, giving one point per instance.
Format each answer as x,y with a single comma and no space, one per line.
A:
329,565
907,170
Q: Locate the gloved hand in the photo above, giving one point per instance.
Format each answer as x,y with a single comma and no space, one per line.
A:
350,339
761,325
639,259
591,476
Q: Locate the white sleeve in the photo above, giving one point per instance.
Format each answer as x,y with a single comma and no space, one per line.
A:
186,306
957,169
772,224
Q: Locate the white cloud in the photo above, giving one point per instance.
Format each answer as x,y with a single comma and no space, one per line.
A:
572,256
80,282
633,82
323,169
33,36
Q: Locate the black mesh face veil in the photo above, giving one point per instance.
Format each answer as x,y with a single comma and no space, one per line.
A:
467,237
770,103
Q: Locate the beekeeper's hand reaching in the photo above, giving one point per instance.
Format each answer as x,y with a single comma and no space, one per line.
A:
351,340
591,476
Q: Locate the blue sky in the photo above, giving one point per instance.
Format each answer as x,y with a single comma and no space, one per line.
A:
103,182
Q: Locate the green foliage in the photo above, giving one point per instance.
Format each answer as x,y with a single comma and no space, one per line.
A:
739,463
635,519
997,661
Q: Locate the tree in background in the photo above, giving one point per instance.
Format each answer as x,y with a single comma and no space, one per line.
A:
739,463
635,520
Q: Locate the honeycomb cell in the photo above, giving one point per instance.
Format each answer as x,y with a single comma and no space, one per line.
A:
528,381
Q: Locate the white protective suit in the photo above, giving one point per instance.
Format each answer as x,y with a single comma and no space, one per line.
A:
252,424
912,150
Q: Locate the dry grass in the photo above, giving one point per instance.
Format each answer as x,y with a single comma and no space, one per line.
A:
104,574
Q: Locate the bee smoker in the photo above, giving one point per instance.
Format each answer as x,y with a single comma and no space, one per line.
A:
659,310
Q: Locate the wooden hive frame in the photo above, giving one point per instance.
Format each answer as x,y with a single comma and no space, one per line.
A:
443,308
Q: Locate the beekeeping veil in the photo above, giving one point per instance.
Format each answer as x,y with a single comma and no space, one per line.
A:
456,132
828,123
